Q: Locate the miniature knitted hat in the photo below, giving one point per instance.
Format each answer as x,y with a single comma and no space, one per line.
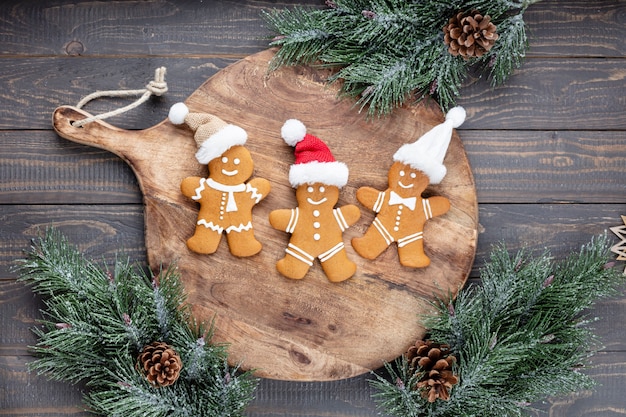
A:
213,135
314,162
427,153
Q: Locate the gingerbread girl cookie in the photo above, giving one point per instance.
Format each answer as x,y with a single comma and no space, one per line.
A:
316,226
401,209
226,199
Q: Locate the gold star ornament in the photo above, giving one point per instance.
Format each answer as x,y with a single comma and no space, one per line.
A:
620,248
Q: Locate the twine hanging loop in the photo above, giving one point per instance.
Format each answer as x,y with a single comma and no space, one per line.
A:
156,87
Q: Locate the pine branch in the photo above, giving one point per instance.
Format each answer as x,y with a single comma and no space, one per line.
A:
510,50
521,336
95,323
386,52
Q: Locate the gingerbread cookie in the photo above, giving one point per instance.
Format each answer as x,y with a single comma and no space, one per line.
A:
401,209
226,199
316,226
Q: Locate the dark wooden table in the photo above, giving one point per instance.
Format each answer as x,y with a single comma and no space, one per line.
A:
548,152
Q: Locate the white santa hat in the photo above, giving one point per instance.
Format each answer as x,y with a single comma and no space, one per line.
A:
313,160
212,135
427,153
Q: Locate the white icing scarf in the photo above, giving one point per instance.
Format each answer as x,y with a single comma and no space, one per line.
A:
231,205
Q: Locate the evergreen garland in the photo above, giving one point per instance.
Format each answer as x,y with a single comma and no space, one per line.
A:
95,323
386,51
521,336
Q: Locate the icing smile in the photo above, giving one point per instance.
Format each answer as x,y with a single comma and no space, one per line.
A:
405,186
316,203
230,173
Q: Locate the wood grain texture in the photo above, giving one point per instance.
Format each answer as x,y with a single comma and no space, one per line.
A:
580,167
25,393
119,228
189,27
539,96
33,87
18,322
99,231
609,370
576,28
39,167
513,166
559,228
32,395
545,148
168,27
306,330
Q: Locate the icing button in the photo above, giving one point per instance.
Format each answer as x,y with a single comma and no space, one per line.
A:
316,236
316,213
317,225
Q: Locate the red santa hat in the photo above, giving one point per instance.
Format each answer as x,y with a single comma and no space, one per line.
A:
427,153
212,135
314,163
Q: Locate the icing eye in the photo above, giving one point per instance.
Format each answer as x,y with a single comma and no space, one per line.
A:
310,189
413,175
322,189
224,159
401,173
236,161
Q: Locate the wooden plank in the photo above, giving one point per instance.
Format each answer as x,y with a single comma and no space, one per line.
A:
101,230
31,88
28,395
542,95
23,393
549,94
351,397
346,398
558,228
155,27
39,167
555,28
607,399
547,166
576,28
20,310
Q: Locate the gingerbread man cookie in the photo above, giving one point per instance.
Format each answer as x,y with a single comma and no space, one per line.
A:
316,226
226,199
401,209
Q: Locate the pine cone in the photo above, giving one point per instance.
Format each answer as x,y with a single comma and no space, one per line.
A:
433,361
470,34
160,364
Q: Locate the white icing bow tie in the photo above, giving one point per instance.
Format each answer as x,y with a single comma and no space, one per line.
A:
395,199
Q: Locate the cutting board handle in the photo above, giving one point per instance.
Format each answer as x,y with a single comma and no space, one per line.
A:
130,145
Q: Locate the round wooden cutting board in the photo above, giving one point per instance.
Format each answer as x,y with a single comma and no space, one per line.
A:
309,329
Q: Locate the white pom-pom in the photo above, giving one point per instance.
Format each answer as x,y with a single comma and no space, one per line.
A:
456,115
293,131
178,112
